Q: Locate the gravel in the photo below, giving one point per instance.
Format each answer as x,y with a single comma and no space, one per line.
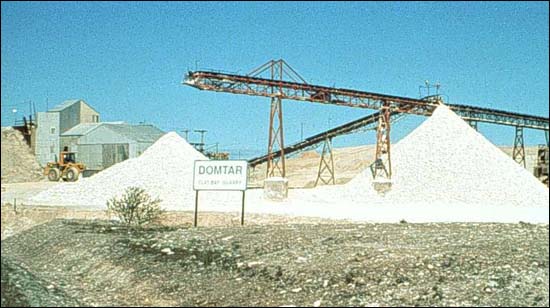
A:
20,288
444,171
402,264
445,160
164,170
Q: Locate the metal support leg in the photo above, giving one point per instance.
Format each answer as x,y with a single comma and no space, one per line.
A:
473,124
275,166
519,150
326,165
381,168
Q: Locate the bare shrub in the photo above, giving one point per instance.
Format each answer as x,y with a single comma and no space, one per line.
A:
135,207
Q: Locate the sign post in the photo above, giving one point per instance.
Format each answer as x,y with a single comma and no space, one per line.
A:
219,175
196,208
242,211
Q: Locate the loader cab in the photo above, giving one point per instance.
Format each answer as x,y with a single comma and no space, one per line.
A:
67,157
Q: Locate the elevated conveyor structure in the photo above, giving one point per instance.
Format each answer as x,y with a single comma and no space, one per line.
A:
277,88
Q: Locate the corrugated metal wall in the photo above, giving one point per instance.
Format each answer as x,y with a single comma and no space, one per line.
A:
140,147
114,153
91,155
70,142
102,148
69,117
101,156
47,137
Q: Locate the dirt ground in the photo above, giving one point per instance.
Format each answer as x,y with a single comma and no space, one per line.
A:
24,217
60,256
98,263
302,169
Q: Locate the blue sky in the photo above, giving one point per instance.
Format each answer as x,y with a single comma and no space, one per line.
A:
128,59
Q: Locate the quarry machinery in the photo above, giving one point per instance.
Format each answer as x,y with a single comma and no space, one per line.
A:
283,82
541,168
65,168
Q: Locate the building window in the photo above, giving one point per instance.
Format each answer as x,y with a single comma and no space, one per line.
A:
52,130
95,118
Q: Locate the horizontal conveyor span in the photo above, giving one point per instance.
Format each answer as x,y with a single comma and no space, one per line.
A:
238,84
256,86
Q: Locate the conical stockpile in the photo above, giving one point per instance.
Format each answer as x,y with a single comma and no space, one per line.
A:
446,160
164,170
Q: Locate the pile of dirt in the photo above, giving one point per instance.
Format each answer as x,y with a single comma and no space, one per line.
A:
107,264
20,288
18,162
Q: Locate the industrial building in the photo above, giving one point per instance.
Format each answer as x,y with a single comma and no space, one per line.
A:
100,145
75,124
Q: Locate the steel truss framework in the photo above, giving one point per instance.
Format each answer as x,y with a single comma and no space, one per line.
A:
325,174
382,161
473,124
277,88
518,154
238,84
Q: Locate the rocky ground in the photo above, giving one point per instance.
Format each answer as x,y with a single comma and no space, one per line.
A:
20,288
23,217
97,263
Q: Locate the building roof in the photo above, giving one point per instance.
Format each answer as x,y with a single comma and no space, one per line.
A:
65,104
85,128
139,133
69,103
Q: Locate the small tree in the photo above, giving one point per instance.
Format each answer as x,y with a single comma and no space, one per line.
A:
135,207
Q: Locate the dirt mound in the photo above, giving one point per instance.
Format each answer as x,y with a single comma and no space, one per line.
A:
20,288
105,264
309,154
18,162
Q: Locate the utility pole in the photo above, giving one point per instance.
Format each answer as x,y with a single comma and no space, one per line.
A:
186,132
201,144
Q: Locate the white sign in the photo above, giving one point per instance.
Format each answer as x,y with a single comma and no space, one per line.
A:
220,175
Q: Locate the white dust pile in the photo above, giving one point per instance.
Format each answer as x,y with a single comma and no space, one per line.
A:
164,170
445,160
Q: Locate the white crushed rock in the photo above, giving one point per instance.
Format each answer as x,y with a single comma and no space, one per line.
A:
164,170
443,171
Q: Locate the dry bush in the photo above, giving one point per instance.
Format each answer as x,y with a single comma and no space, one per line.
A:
135,207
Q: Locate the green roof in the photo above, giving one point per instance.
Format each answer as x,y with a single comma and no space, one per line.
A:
139,133
81,129
85,128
